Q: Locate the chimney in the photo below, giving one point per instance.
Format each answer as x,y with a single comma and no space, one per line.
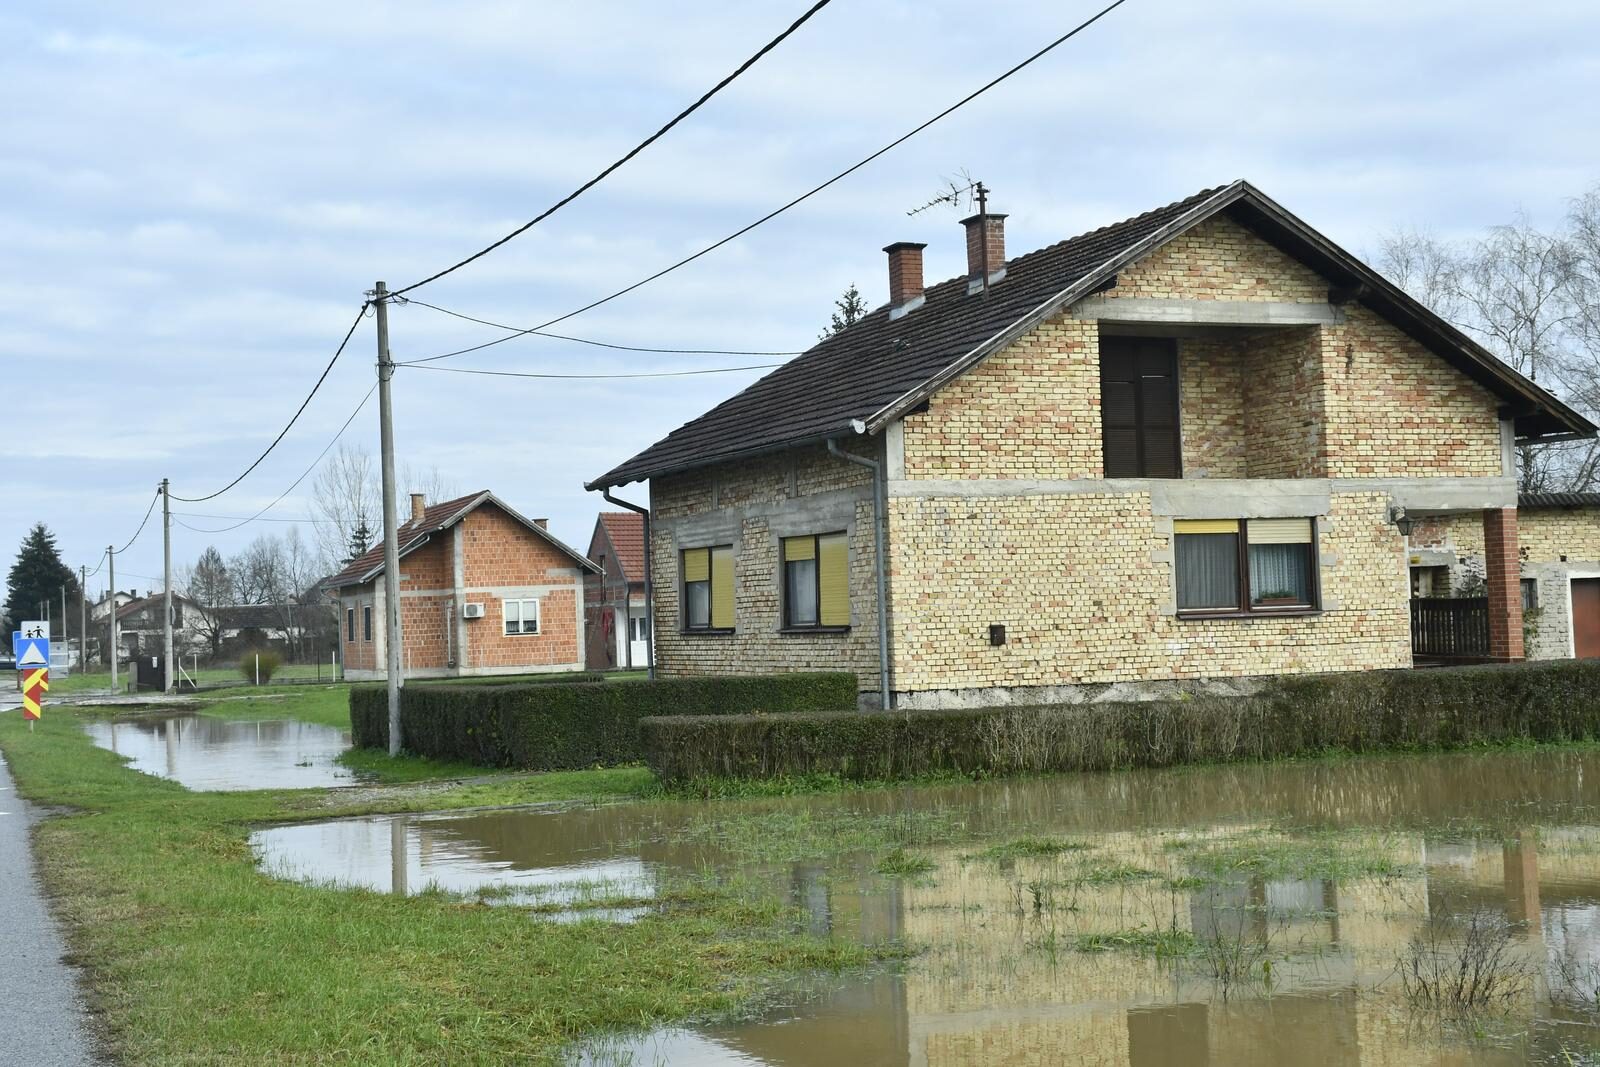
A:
419,504
986,237
543,524
905,276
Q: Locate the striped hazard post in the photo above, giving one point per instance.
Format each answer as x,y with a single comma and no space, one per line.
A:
35,683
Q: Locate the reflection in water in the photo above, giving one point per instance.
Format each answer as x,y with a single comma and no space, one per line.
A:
205,753
1239,915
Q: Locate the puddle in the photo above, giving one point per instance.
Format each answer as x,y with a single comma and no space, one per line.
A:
1227,915
209,754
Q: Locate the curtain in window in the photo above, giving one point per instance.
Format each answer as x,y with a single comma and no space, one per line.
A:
1280,560
1207,561
800,577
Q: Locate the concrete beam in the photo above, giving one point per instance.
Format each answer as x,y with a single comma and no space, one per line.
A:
1206,312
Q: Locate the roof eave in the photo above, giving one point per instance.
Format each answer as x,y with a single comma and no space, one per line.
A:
612,480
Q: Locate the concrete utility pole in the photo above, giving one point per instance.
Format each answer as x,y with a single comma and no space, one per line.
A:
391,538
166,581
83,619
111,576
64,639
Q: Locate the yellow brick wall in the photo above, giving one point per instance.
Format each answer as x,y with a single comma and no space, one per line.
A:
1544,535
1211,409
1221,260
1076,581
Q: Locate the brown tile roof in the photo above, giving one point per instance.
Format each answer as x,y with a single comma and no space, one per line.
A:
413,534
878,367
626,531
1558,500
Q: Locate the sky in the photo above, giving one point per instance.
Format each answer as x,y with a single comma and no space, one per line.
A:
194,198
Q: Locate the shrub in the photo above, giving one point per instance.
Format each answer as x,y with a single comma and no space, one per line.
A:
551,727
1438,708
269,662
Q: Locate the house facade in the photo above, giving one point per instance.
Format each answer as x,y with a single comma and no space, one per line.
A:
1558,538
617,629
1179,447
482,591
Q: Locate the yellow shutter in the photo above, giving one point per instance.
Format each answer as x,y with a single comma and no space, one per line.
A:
1279,531
696,564
833,567
796,549
1205,526
722,588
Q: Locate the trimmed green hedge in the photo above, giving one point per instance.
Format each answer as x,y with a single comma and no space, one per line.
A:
558,727
1436,708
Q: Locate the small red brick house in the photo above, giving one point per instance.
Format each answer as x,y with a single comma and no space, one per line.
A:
618,619
483,591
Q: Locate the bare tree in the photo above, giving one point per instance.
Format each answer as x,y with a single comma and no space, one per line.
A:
430,481
208,584
347,498
259,572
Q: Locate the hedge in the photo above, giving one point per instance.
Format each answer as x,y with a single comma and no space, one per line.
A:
582,724
1435,708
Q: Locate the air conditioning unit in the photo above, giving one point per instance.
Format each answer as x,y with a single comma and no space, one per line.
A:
472,611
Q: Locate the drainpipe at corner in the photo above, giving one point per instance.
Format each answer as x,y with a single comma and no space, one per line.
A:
879,518
649,585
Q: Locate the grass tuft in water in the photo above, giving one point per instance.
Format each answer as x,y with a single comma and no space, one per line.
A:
1021,847
901,863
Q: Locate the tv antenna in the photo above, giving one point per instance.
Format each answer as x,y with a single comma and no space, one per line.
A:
955,190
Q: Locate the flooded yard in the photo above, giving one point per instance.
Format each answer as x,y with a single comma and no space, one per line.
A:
1434,909
205,753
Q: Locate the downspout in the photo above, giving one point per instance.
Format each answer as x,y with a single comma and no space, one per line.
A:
649,584
879,518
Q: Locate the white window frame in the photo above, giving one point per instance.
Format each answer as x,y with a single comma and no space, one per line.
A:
522,618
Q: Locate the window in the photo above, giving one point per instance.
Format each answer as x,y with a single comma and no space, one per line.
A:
521,616
816,582
350,623
1139,407
637,623
366,622
1227,566
1530,594
708,588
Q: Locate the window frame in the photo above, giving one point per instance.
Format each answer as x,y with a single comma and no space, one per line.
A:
1247,610
1116,347
786,620
1529,586
685,625
521,602
350,624
366,622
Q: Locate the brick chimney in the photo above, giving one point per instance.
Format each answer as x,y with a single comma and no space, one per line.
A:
986,235
543,524
905,276
419,504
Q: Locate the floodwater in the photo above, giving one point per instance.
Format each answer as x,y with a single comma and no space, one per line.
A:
1314,912
210,754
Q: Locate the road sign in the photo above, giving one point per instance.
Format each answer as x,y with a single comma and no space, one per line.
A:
36,628
35,683
33,652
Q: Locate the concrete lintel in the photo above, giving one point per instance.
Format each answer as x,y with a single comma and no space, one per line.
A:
807,514
1206,312
1422,496
1239,498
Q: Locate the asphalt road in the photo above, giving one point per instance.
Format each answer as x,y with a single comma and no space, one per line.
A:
42,1019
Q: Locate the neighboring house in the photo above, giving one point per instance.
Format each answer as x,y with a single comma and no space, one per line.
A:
100,610
1559,551
483,591
618,627
1178,447
139,629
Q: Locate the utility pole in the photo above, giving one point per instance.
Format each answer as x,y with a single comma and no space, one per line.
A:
111,576
391,538
166,580
64,624
83,619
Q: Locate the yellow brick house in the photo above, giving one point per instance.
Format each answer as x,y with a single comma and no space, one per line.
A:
1183,447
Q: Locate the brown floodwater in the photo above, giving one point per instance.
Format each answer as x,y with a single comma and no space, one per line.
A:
1315,912
209,754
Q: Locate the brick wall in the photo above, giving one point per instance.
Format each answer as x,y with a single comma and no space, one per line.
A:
1211,398
751,505
1544,534
1221,260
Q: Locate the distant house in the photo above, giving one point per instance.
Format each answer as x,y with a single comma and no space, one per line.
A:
483,591
618,621
1559,538
139,629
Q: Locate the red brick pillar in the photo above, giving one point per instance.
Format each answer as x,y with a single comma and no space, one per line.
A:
1503,572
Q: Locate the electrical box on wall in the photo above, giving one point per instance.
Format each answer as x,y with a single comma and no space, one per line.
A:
472,611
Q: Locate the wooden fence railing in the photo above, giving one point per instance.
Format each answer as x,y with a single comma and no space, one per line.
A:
1452,628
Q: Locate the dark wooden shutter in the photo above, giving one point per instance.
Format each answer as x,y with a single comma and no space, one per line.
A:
1139,407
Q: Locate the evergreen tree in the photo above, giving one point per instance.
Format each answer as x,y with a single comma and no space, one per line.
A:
37,577
360,541
850,309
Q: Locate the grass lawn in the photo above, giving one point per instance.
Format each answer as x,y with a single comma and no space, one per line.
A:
194,957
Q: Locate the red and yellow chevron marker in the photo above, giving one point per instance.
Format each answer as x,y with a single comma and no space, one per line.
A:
35,683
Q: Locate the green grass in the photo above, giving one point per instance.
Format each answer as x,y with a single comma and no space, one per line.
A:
1162,944
328,705
1021,847
195,957
900,863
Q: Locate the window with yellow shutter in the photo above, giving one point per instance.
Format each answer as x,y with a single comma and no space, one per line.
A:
1245,566
707,576
816,582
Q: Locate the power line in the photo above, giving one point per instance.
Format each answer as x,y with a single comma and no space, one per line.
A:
147,512
634,151
521,332
293,485
735,235
298,412
253,518
591,377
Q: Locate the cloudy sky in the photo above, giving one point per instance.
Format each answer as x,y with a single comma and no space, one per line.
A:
195,198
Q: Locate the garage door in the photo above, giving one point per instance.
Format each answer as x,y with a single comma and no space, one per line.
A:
1586,617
